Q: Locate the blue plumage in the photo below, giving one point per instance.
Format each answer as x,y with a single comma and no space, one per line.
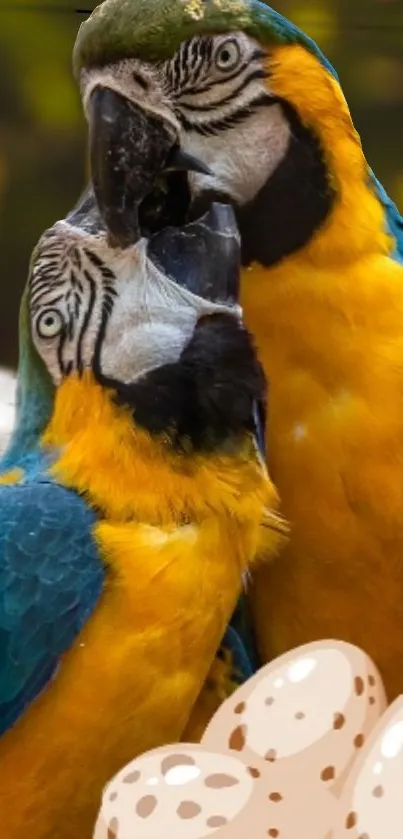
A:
394,220
239,640
51,578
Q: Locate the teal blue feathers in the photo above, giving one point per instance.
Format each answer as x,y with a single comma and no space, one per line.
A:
51,578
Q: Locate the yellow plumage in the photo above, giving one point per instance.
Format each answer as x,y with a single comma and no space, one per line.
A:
329,326
175,533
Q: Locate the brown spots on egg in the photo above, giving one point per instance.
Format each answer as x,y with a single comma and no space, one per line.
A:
247,769
371,681
113,829
351,820
328,774
146,806
237,738
359,685
216,821
220,781
339,721
132,777
188,810
173,761
276,797
113,796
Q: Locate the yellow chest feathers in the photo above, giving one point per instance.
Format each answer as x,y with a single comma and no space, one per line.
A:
128,475
327,319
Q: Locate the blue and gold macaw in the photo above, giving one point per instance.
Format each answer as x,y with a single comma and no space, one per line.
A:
133,499
235,85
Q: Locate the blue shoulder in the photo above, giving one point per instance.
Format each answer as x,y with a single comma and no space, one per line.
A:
51,578
394,220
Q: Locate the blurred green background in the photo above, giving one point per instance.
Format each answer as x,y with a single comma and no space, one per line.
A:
42,130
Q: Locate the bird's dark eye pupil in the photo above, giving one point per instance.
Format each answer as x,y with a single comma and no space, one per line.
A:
228,56
49,321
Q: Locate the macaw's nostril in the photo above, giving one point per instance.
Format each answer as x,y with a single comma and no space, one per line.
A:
129,148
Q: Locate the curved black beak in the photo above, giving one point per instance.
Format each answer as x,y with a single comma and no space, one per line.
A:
129,148
204,256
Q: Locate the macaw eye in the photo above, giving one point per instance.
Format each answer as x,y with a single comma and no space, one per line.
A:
49,324
228,56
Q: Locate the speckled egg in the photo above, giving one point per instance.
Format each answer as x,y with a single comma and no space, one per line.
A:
372,801
185,792
306,716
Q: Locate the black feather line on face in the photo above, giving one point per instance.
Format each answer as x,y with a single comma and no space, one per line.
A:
231,121
255,75
188,73
193,62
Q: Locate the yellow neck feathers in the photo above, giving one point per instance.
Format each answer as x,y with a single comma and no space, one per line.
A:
356,225
127,474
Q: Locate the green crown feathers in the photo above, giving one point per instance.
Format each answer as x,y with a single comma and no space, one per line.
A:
152,30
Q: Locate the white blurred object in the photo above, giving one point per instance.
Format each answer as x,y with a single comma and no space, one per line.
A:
8,386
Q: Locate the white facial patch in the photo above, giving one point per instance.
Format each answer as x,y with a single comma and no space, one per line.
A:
152,319
88,299
244,158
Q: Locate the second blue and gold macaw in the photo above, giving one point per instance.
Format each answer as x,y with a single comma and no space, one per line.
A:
133,499
240,88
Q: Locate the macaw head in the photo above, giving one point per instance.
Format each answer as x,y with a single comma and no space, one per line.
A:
189,101
120,313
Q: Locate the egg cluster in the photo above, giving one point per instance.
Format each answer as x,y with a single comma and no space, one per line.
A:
304,750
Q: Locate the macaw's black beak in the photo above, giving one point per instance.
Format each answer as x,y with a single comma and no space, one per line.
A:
204,256
130,148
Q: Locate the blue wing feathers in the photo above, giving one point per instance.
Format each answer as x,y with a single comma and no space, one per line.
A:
51,578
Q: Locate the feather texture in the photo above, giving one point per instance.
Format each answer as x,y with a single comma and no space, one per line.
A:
50,580
173,535
328,322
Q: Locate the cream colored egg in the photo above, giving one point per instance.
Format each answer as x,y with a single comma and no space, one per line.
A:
372,802
306,715
185,792
101,829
